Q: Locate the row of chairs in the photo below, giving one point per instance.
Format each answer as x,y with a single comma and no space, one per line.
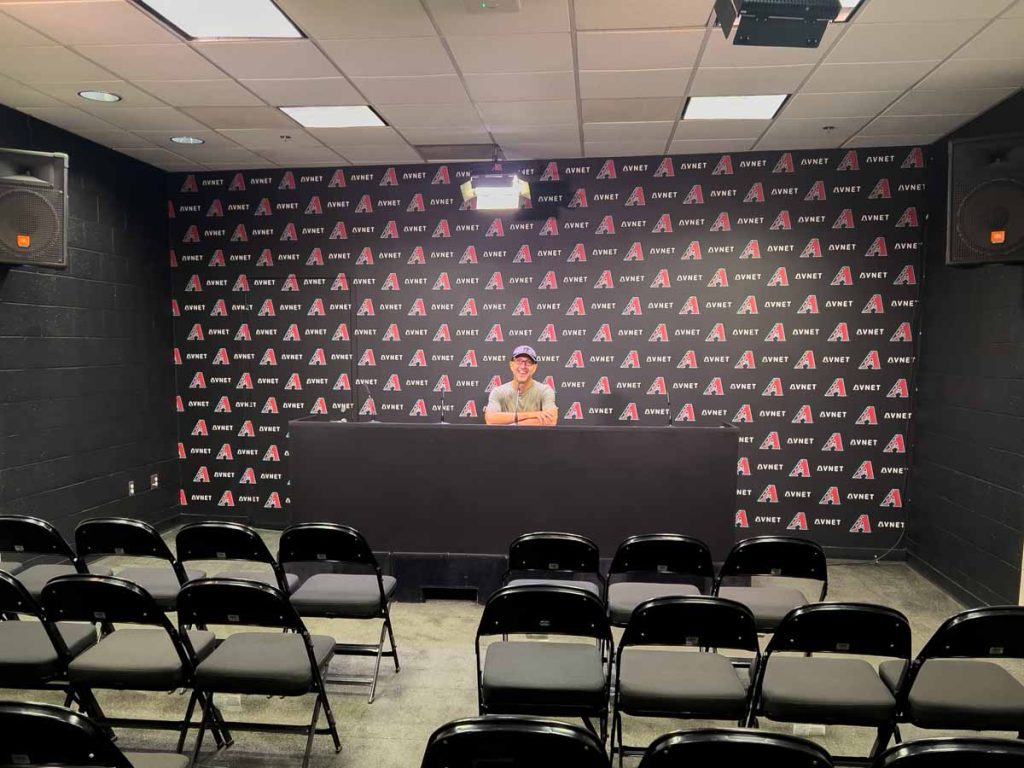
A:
37,735
670,663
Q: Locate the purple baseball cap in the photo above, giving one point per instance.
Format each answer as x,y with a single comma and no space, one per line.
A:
524,350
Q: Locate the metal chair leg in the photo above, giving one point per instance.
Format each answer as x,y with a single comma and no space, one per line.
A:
391,637
207,705
183,734
312,733
376,666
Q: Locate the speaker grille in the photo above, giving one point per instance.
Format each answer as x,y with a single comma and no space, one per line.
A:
37,215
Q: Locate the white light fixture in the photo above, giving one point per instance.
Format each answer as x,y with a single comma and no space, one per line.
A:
733,107
849,7
495,192
187,140
103,96
218,19
334,117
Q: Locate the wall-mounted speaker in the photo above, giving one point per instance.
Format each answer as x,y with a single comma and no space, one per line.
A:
33,208
985,209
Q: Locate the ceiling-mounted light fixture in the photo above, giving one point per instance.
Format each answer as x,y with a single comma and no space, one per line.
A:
360,116
105,97
733,107
496,191
224,19
777,23
187,140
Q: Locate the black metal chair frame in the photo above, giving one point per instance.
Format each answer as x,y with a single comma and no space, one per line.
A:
34,536
967,749
661,556
755,557
663,621
799,753
543,554
263,606
214,540
495,621
342,544
860,629
106,600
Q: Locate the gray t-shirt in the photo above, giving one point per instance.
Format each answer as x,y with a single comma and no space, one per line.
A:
539,397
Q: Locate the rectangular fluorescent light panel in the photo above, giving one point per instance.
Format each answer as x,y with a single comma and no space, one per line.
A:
334,117
213,19
848,9
733,107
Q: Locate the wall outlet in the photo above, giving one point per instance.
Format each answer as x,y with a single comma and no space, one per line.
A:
131,487
154,481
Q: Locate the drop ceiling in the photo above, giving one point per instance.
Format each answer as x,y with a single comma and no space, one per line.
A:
559,78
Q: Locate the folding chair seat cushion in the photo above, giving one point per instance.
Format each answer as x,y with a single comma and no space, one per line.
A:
681,681
274,664
824,690
161,583
961,694
11,566
138,659
263,577
35,577
768,604
342,595
590,586
26,653
157,759
520,675
624,596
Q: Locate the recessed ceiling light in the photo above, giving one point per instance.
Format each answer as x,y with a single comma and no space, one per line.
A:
187,140
849,7
733,107
213,19
334,117
104,96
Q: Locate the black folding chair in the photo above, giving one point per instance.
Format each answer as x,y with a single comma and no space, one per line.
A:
232,542
38,735
688,678
558,679
554,558
257,663
826,689
134,538
953,683
715,748
364,594
148,655
958,752
28,536
655,565
773,557
512,742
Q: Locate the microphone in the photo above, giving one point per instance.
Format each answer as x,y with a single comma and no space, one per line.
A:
442,404
373,413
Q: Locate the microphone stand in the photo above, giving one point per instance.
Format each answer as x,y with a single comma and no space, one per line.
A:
442,405
373,411
668,401
516,421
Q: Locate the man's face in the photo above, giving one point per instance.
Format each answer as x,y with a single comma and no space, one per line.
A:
522,368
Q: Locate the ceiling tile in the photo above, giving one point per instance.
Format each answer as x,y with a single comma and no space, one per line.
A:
241,117
268,59
453,18
640,14
748,81
648,49
68,118
260,139
521,86
431,89
1001,40
535,134
382,155
627,131
620,110
153,62
640,83
720,129
130,95
1015,11
917,140
300,155
152,119
917,41
906,124
306,92
259,163
541,151
376,57
326,19
813,128
970,102
856,104
965,74
370,136
16,95
512,53
446,135
623,148
17,35
555,112
720,52
213,140
884,76
771,142
94,23
431,115
700,146
157,156
207,154
47,64
200,93
114,137
938,10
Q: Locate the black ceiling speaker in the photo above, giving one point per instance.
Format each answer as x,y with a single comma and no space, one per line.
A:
33,208
985,213
777,23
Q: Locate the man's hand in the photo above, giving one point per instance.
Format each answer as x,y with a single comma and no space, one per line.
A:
547,418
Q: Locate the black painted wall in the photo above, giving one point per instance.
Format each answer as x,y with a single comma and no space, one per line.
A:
86,375
966,511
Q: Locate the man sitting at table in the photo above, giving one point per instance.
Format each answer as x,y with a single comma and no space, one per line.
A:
522,401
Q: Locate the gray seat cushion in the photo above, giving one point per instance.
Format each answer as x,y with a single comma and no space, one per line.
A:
264,577
768,604
34,577
10,566
624,596
136,659
161,583
28,656
589,586
342,595
963,694
890,671
825,690
263,662
683,682
541,676
156,760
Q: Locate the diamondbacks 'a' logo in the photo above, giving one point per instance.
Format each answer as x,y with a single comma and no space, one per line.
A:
771,442
843,277
686,413
579,199
774,388
906,276
237,183
659,335
866,471
902,333
833,443
874,306
315,259
389,178
748,307
909,218
665,168
831,497
198,381
636,198
469,410
720,279
752,250
442,283
392,333
663,225
270,406
631,360
365,205
779,278
629,413
443,333
850,162
871,362
783,222
495,334
715,388
369,407
741,520
576,308
337,179
633,307
290,283
494,283
441,176
366,308
607,170
225,453
578,254
191,234
419,308
743,466
695,196
200,429
606,227
879,249
202,476
816,192
523,255
416,204
419,359
661,279
716,334
635,253
777,333
837,388
604,280
368,358
868,417
273,501
389,231
722,223
340,231
287,180
215,210
893,499
801,469
548,334
803,415
419,408
692,252
550,173
602,387
690,307
294,382
468,359
724,166
755,194
840,333
390,283
844,220
550,228
784,164
881,191
862,525
770,495
798,523
914,159
899,390
812,250
896,445
314,207
189,184
806,361
745,362
340,333
744,415
688,360
442,229
269,357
